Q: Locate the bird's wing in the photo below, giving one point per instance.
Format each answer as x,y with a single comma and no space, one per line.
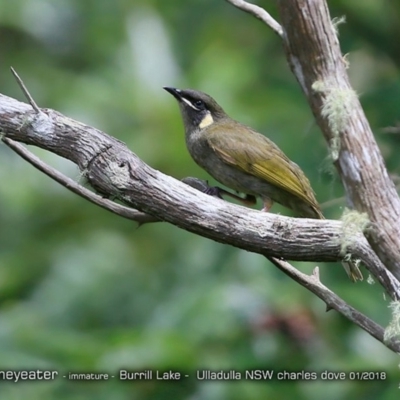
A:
265,160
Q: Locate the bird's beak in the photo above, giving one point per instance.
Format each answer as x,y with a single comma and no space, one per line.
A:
175,92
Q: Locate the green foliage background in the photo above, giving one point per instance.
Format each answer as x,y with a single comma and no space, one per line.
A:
82,290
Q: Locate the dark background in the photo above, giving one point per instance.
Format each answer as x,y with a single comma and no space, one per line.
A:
84,290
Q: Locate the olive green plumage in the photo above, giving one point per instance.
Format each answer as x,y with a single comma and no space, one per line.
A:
243,159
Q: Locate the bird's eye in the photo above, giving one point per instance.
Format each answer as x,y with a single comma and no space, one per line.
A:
199,104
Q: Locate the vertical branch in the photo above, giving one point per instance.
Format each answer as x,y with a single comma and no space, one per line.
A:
314,55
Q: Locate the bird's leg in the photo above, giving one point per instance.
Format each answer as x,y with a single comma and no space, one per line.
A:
216,191
267,204
249,200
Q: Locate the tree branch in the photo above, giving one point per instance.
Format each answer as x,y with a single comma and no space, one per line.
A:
118,173
25,90
313,284
314,55
259,13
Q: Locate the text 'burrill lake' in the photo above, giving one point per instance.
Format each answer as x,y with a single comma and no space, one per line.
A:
173,375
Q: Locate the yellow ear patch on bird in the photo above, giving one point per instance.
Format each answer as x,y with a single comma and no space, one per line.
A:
206,121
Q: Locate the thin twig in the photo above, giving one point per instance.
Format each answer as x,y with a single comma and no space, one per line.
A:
333,202
74,187
313,284
340,200
392,129
25,90
259,13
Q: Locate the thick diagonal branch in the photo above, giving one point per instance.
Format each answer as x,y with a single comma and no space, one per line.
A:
116,172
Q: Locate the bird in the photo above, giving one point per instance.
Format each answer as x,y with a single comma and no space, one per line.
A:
245,160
